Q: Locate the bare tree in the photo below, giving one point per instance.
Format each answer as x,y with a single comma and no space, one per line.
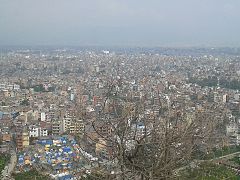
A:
149,142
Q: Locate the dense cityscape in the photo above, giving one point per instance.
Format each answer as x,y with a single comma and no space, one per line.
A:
69,113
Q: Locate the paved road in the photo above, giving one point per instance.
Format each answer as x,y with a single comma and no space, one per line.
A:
215,160
229,156
6,173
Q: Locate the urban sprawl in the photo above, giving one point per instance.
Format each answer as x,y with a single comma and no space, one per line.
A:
70,114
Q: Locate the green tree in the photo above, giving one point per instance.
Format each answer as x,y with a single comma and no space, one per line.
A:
25,102
3,161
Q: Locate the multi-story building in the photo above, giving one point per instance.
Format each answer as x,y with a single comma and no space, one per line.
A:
22,140
25,139
33,131
36,131
67,122
76,127
57,127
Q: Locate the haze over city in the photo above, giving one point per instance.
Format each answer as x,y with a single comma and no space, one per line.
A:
119,89
120,23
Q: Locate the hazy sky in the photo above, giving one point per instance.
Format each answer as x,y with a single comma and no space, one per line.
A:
120,22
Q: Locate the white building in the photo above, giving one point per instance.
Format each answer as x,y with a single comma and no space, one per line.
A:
2,86
16,87
43,132
225,98
72,97
43,116
35,131
236,97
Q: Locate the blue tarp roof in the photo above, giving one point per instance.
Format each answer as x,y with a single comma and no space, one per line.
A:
45,142
66,177
66,149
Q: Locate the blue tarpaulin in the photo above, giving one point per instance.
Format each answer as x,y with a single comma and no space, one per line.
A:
66,149
66,177
45,142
